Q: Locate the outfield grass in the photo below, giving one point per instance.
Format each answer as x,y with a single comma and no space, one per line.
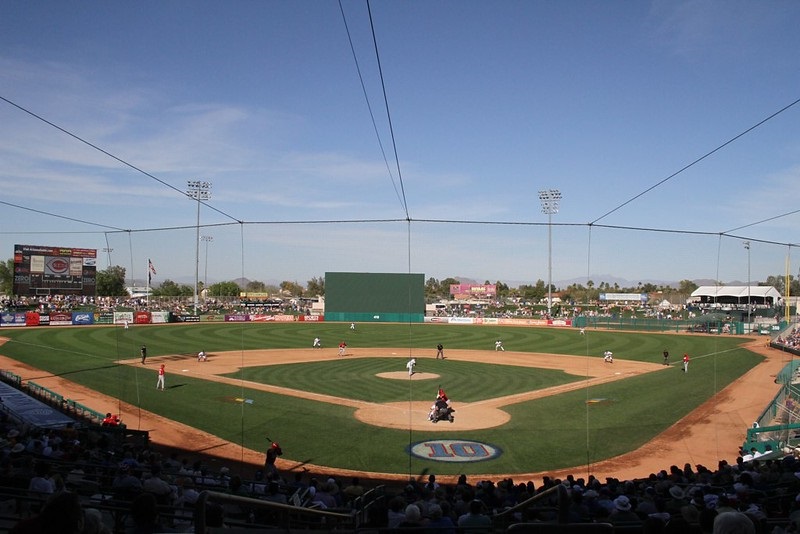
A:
549,433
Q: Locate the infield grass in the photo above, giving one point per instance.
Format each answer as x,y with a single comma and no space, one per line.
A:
561,431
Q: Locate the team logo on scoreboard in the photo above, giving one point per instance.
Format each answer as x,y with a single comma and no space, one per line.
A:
454,450
58,265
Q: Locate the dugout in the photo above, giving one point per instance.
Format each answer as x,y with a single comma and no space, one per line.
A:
374,297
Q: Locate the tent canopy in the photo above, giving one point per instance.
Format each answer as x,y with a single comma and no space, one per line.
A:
737,294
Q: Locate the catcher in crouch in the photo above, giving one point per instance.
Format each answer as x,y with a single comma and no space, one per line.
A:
441,410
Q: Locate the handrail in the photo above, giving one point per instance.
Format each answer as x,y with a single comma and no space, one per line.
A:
563,503
200,523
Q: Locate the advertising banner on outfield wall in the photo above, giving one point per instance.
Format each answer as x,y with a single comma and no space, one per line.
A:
104,318
257,317
123,317
236,318
12,319
311,318
32,319
61,319
159,317
82,318
141,317
523,322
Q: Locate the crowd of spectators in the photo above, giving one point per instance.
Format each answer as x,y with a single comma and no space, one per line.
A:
790,339
676,500
85,469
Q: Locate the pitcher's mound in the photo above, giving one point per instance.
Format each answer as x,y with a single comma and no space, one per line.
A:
403,375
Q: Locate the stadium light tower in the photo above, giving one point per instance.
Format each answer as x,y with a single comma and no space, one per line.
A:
747,246
198,190
550,199
206,239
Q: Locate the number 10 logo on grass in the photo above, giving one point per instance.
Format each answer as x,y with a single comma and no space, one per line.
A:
454,450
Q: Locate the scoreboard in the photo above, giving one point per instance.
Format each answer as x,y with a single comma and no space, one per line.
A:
43,270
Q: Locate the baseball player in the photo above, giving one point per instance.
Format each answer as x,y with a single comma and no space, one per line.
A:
160,383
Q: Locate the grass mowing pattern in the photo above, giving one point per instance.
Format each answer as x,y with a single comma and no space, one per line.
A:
549,433
355,378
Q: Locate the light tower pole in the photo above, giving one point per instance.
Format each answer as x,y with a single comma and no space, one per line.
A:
206,239
200,191
747,246
108,251
550,199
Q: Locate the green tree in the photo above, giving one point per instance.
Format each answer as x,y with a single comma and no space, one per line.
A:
255,286
316,287
292,288
778,282
7,277
111,282
502,290
224,289
533,293
648,288
168,288
431,289
686,287
444,287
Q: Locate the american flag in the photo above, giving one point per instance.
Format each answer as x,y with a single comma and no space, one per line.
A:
151,270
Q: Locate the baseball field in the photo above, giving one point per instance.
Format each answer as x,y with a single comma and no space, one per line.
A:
548,404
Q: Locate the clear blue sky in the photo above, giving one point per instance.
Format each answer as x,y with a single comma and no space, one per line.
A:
489,102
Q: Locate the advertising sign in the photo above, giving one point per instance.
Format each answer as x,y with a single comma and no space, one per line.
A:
104,318
12,319
159,317
82,318
61,319
123,317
